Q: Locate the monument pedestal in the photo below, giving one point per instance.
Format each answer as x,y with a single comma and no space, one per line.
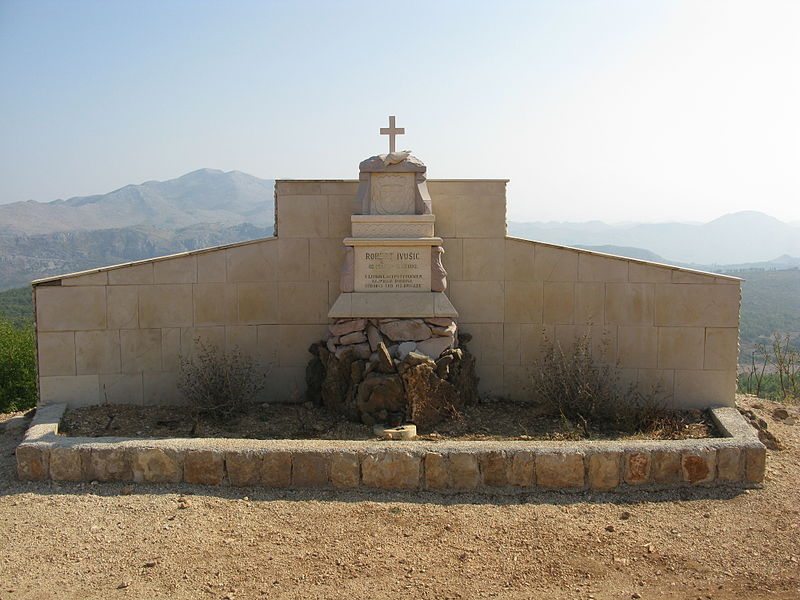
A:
392,353
402,305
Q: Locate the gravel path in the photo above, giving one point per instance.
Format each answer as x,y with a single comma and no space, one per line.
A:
180,541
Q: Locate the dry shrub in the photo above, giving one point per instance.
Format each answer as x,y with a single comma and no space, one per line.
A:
219,384
588,394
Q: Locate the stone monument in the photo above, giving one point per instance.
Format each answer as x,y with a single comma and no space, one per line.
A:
393,316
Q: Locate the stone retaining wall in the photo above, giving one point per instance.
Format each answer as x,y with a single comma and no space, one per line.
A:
118,334
504,467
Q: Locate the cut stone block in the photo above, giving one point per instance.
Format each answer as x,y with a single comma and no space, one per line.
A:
524,302
302,216
204,466
303,302
755,464
523,468
33,462
123,307
70,308
56,353
97,352
666,466
182,269
276,469
494,467
730,464
604,469
698,466
80,390
560,470
518,260
629,303
67,464
637,468
681,347
257,303
551,263
157,465
211,267
252,262
133,275
293,259
592,267
310,469
110,464
345,470
484,301
464,473
638,347
482,259
165,306
244,468
391,471
140,350
558,302
701,305
704,388
215,304
96,278
722,348
436,475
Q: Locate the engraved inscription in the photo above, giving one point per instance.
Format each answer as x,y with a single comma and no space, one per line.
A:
392,269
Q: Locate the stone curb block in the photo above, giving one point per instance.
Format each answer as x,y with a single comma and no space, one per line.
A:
496,467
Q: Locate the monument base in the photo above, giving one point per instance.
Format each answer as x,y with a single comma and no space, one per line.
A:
351,305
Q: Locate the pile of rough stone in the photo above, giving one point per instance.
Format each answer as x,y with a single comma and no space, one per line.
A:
430,337
393,371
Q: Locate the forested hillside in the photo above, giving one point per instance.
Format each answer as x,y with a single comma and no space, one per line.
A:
770,303
17,306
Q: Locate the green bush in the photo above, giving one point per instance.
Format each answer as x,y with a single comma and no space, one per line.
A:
589,394
218,384
17,367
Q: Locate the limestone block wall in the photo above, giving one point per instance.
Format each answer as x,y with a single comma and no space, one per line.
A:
117,334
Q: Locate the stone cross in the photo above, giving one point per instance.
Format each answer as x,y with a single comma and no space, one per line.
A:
392,131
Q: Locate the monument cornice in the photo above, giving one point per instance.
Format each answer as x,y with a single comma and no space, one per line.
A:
396,241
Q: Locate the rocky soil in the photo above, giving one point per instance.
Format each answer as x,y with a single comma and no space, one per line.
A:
186,542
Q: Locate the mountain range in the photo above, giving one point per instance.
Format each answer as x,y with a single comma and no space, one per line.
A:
200,209
741,237
203,196
210,207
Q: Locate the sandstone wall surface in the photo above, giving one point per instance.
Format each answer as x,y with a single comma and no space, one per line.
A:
117,334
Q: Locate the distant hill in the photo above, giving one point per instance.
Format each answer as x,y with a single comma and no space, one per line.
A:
639,253
201,209
24,258
742,237
209,207
770,303
203,196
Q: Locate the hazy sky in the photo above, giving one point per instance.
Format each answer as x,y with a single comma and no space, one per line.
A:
594,110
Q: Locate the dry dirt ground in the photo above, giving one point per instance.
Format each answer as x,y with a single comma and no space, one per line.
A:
501,420
181,541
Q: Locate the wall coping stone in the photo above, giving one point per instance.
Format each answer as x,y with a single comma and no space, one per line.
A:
164,458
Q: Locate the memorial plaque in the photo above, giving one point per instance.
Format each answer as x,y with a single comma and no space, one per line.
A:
392,268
